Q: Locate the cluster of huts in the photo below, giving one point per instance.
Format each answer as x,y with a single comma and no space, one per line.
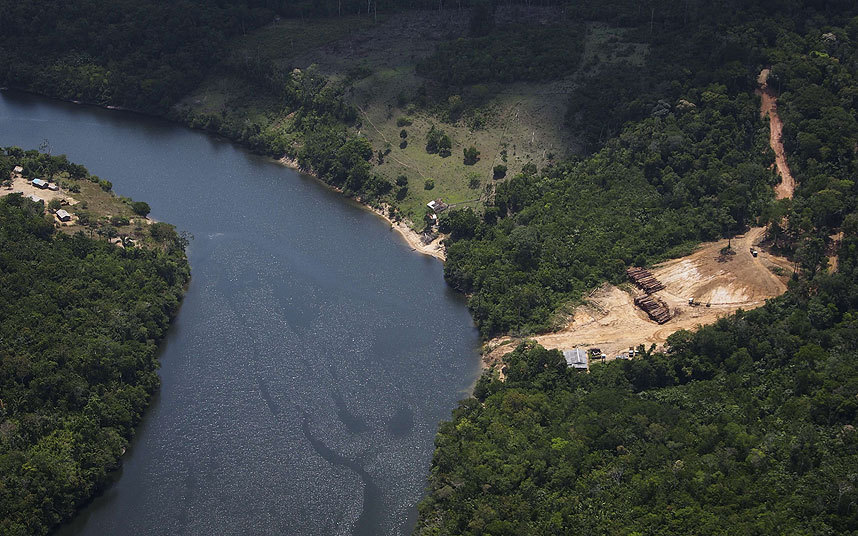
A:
437,206
38,183
62,214
45,185
579,358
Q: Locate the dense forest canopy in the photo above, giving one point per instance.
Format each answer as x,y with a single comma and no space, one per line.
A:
139,54
746,426
517,54
147,55
692,175
80,323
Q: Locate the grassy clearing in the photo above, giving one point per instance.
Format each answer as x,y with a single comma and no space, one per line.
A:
101,212
514,124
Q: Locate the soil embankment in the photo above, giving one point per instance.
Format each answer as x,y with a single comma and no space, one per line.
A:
769,106
719,284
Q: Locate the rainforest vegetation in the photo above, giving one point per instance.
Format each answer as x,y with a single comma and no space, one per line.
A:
80,323
745,426
548,236
695,168
506,55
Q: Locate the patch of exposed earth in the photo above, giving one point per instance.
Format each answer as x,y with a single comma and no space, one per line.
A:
719,284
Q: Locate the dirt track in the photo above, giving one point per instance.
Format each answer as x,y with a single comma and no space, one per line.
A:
611,322
769,106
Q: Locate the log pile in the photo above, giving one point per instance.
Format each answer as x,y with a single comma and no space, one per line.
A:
655,308
644,279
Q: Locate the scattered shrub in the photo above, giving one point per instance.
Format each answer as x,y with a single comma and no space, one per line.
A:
141,208
472,155
474,181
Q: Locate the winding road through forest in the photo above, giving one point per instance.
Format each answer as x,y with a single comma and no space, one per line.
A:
769,106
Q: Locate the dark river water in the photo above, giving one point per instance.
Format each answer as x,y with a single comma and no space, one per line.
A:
313,357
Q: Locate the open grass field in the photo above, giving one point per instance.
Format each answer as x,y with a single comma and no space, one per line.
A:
511,124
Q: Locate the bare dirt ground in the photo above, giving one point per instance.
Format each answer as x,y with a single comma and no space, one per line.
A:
20,185
610,321
833,248
99,204
769,107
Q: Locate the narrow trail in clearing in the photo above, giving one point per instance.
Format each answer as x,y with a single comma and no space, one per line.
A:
769,106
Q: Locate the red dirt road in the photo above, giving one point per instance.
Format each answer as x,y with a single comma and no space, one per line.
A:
769,106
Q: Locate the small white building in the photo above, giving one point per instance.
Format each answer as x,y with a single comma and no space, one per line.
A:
36,198
53,187
576,358
62,215
18,170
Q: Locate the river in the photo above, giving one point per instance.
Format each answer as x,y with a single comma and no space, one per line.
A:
313,357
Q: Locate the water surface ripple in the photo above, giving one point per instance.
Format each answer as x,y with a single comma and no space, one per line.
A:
312,359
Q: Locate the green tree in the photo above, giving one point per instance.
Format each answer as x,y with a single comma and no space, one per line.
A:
445,145
141,208
472,155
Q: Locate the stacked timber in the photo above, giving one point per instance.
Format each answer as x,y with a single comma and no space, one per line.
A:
655,308
644,279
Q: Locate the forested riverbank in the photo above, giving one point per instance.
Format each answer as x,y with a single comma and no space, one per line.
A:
755,414
80,324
